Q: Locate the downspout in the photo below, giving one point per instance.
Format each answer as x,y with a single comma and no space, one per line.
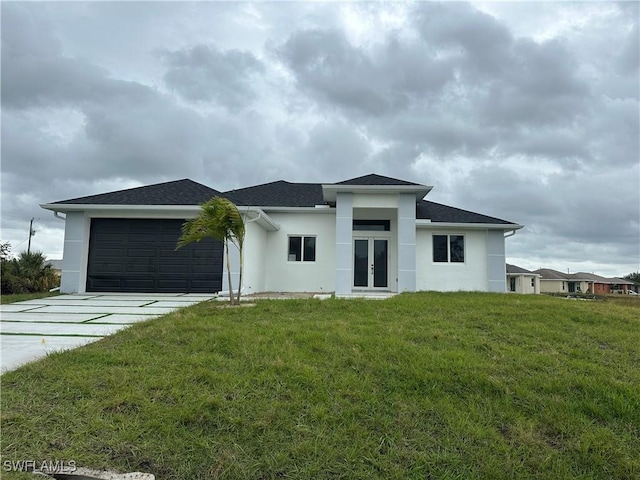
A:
57,215
513,232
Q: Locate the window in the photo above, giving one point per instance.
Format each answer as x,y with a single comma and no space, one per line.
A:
448,248
372,225
302,249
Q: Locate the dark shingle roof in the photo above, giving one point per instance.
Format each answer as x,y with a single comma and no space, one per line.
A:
178,192
278,194
550,274
516,269
273,194
373,179
442,213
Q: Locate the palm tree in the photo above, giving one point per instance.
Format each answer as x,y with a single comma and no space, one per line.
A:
220,219
30,272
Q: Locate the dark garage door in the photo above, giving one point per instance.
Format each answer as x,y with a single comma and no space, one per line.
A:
138,255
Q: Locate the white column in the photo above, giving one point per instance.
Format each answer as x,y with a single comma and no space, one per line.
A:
406,242
75,252
344,241
496,262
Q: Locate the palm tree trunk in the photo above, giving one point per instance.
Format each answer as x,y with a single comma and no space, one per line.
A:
226,244
241,268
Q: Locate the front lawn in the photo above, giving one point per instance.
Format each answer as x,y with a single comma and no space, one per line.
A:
427,385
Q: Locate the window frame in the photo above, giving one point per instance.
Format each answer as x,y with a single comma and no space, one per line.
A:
302,249
449,248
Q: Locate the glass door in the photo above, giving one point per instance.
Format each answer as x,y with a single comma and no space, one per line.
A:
370,263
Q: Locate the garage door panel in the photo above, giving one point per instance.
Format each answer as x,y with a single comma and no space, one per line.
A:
138,255
140,268
169,238
110,252
141,253
110,267
204,254
201,269
174,254
114,238
138,284
174,269
109,284
142,237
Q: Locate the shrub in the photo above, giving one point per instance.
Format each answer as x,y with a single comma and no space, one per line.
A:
29,273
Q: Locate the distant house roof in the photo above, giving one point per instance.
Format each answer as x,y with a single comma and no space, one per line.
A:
620,281
550,274
276,194
592,277
514,269
178,192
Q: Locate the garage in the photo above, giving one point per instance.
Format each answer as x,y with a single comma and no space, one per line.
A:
138,255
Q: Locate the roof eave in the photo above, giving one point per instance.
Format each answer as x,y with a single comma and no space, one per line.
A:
258,215
424,223
78,207
330,191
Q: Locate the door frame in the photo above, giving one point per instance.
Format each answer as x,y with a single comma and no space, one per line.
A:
370,237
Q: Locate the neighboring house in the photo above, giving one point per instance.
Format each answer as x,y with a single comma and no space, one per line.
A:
520,280
553,281
367,234
56,266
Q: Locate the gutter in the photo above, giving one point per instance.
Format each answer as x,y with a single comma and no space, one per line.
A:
261,217
423,223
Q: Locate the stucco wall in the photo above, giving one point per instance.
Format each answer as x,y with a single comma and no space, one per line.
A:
289,276
523,284
75,253
553,286
253,274
470,275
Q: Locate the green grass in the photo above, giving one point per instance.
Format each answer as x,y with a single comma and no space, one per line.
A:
21,297
420,386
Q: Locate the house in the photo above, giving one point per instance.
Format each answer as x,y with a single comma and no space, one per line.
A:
553,281
520,280
366,234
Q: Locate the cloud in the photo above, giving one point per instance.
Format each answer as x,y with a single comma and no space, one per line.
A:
388,78
203,73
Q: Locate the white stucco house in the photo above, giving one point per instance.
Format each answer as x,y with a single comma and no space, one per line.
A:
521,280
366,234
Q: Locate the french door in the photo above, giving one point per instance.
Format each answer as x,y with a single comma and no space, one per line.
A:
370,263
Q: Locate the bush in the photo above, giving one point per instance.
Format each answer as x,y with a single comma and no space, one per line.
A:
29,273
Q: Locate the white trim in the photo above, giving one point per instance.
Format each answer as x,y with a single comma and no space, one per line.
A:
261,218
102,207
330,191
326,210
421,223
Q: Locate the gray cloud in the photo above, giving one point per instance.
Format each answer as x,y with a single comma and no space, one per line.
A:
391,77
204,73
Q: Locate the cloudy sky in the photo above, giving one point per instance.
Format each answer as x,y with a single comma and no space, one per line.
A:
524,111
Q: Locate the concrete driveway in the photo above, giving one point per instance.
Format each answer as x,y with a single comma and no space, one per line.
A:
33,328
